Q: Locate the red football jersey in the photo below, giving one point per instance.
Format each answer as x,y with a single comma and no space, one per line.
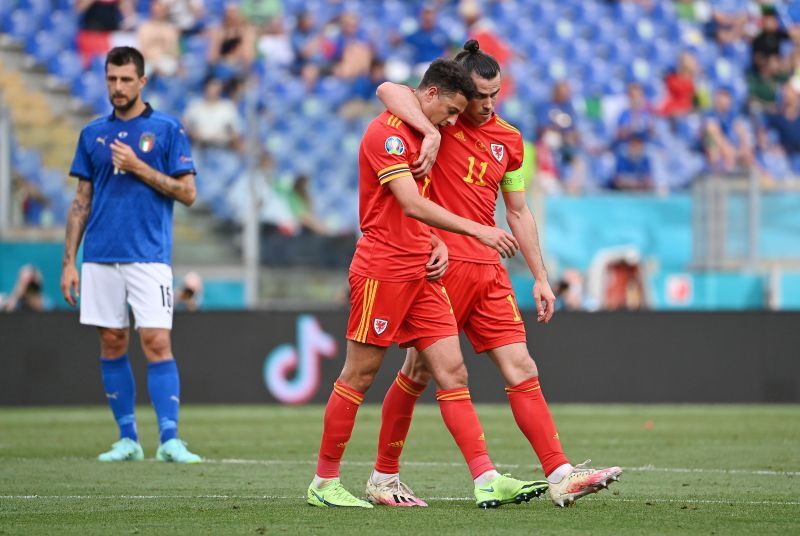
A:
393,247
467,175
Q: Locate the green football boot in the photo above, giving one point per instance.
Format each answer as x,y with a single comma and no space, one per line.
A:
124,450
333,495
175,451
504,490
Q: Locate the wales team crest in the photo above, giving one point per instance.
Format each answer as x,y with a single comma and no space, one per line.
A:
498,151
147,141
380,325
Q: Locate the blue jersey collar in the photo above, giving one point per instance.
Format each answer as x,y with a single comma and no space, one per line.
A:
148,111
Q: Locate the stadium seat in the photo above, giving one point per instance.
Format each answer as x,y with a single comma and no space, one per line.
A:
67,66
22,25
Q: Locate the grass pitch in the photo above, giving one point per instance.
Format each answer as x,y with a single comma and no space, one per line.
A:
688,469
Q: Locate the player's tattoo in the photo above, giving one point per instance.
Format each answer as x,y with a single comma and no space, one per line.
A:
182,188
79,213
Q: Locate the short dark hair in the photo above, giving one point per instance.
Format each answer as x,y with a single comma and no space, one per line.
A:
450,77
476,61
123,56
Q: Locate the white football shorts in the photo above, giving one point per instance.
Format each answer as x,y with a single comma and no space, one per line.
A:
108,289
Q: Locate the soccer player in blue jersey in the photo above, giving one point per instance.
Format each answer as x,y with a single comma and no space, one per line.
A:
131,165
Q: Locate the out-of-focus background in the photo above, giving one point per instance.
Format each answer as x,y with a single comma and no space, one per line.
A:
663,139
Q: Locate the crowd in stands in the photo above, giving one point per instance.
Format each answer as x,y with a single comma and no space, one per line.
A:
640,96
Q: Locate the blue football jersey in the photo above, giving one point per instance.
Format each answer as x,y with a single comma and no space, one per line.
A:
130,221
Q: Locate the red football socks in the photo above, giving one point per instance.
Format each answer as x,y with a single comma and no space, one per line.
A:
340,417
398,407
533,418
462,421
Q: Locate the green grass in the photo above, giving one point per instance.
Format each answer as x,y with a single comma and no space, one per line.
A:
688,469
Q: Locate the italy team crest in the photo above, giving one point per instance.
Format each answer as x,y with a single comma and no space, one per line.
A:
380,325
498,151
147,141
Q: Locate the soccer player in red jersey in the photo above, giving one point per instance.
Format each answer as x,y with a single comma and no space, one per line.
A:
480,155
394,300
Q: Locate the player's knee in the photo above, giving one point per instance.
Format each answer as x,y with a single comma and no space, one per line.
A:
113,342
453,377
420,376
527,368
358,377
157,345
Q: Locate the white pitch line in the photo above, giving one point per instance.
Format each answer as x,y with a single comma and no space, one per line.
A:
298,498
640,469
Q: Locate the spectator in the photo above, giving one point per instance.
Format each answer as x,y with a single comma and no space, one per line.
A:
232,44
189,294
307,43
27,294
633,173
98,19
728,24
262,12
559,116
763,84
569,291
767,43
482,30
213,120
637,119
429,41
727,142
274,44
352,51
32,201
680,85
187,15
786,124
547,147
159,41
303,209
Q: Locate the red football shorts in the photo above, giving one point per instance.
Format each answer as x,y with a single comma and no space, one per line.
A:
411,313
484,304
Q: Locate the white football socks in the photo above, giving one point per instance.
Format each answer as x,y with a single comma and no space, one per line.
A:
377,477
485,478
560,472
320,482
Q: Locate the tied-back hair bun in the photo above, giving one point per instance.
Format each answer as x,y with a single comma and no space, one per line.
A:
472,46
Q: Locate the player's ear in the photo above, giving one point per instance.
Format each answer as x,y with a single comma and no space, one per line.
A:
431,92
142,81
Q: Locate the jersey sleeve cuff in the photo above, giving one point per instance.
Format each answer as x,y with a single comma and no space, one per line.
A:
180,172
390,178
80,176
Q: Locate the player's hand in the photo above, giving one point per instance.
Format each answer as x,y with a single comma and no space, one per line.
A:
427,155
437,265
545,301
70,284
499,240
123,157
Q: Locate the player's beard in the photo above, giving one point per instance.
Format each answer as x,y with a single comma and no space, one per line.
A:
122,108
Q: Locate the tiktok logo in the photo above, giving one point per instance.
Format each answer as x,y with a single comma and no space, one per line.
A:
292,374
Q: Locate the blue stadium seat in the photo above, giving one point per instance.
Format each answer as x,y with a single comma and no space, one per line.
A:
22,25
28,163
66,65
44,47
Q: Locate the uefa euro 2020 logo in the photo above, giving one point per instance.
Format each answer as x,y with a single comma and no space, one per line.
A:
292,374
394,145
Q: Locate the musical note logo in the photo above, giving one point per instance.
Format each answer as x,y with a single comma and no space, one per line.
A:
292,374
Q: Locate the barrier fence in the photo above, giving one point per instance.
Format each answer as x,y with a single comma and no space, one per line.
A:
293,357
